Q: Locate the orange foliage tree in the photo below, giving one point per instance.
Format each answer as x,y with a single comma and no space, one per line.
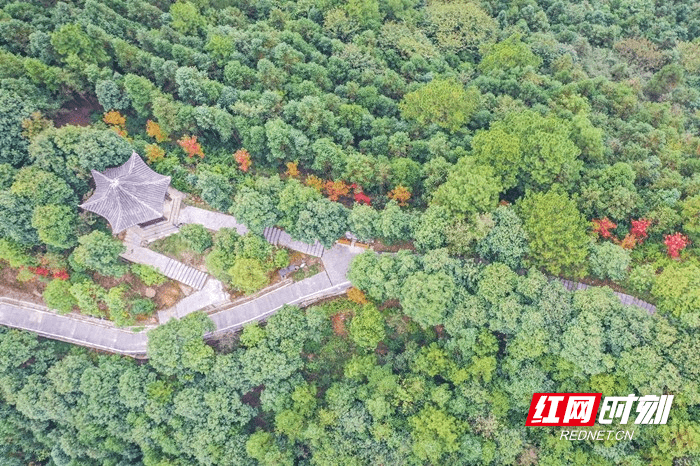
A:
315,182
114,118
190,145
154,152
117,122
400,194
243,159
292,169
357,296
154,130
335,189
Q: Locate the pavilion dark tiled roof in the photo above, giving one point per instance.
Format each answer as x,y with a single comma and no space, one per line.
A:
128,195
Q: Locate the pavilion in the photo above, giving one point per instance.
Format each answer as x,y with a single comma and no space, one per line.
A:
128,195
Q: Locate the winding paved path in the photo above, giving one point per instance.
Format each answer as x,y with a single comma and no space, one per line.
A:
103,335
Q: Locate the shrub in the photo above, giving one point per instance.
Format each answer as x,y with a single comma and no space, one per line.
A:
14,254
58,296
248,275
148,275
609,260
142,307
88,295
506,242
281,259
117,305
642,277
198,238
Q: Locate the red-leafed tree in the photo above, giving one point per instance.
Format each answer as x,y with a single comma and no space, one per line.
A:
362,198
675,243
639,228
243,159
191,147
603,227
41,271
61,275
336,189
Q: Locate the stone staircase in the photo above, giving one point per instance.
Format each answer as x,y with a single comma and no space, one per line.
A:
185,274
278,237
141,236
157,231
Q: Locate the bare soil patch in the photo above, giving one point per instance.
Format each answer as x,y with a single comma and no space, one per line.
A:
77,112
24,291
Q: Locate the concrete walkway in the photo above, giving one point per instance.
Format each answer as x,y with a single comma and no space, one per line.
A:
211,220
210,295
71,329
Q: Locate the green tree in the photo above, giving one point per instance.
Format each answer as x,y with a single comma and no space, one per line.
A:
58,296
459,25
254,209
367,327
426,298
434,433
443,102
197,237
186,18
362,221
99,252
364,12
55,225
248,275
70,39
293,200
530,150
507,241
677,289
321,220
508,54
394,224
470,188
556,232
177,348
430,229
13,110
609,260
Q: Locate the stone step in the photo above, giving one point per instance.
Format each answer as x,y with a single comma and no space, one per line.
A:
165,232
157,228
183,273
175,210
318,250
276,236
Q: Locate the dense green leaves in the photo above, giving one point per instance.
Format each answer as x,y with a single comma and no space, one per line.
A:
442,102
556,232
100,253
177,348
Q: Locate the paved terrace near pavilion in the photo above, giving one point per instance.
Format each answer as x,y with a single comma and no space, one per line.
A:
227,316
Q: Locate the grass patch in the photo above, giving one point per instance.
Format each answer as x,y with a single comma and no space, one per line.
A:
305,272
174,246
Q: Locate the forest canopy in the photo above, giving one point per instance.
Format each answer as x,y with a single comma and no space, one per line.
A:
488,146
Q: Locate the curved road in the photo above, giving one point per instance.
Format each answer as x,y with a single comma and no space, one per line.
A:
103,335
